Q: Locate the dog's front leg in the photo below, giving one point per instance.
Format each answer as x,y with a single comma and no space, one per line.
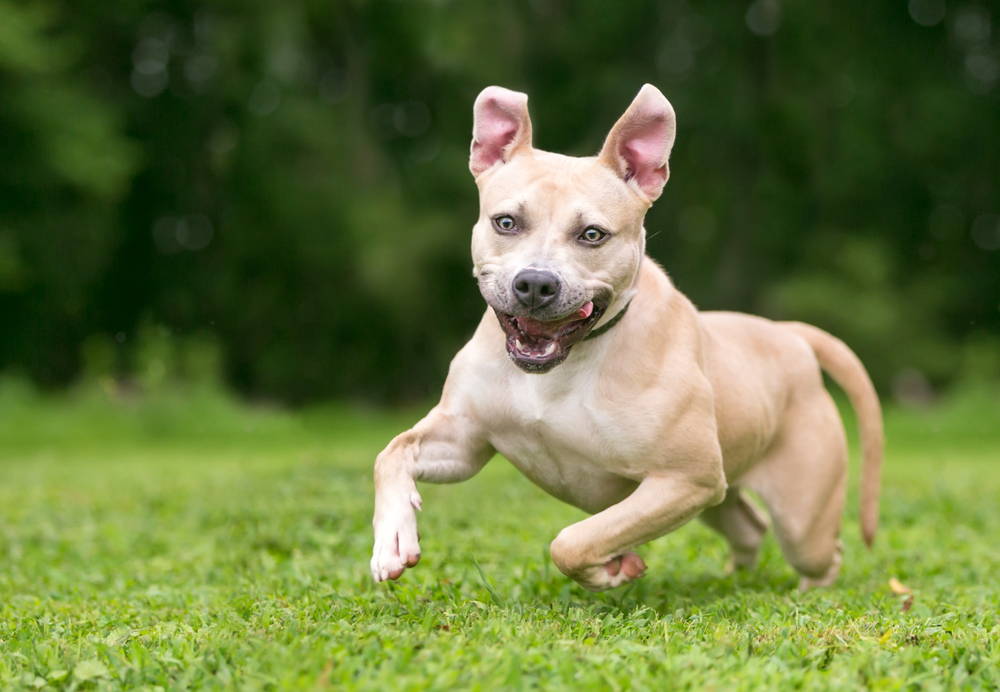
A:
444,447
594,551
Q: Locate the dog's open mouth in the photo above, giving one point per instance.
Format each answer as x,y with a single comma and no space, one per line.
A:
537,346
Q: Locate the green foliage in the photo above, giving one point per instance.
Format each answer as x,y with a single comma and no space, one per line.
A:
291,177
182,541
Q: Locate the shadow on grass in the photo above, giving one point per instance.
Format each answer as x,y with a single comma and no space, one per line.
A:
677,594
681,595
665,593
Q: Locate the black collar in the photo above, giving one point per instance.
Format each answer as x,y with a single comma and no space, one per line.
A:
610,323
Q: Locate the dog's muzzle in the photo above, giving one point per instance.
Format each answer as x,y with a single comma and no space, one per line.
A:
537,346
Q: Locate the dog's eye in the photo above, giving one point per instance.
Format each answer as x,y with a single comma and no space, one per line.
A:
505,223
592,235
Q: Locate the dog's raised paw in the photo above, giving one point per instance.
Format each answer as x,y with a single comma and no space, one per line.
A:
617,571
629,565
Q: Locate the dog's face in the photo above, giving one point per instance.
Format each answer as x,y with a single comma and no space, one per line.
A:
559,238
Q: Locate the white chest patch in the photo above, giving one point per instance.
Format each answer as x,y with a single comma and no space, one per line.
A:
553,428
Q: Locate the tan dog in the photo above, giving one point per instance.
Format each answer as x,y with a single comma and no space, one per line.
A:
656,413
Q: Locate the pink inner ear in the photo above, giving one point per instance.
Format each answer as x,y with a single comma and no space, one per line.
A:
495,130
497,121
645,148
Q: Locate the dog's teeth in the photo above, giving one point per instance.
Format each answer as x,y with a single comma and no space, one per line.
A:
518,344
550,349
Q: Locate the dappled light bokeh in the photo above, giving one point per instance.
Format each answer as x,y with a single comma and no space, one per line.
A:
288,181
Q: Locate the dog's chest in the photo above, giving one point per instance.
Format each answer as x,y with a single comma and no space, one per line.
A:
564,440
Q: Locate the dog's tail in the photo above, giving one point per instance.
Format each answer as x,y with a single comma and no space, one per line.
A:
846,370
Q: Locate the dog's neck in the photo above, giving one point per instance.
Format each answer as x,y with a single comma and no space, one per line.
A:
609,324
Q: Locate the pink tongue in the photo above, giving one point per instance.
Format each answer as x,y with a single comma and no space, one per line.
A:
549,329
534,327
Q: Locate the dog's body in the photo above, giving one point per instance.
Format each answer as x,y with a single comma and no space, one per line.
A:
666,414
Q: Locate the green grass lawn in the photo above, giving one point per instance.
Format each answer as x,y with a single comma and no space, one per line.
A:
182,541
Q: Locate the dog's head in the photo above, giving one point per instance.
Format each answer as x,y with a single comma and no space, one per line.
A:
559,239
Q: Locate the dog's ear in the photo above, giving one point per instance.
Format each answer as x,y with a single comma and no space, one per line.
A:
638,146
500,127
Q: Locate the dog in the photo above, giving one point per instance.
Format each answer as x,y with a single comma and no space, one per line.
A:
604,385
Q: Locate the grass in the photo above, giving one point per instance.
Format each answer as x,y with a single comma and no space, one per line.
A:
182,541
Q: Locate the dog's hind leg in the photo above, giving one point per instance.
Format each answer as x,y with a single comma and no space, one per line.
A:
741,524
802,482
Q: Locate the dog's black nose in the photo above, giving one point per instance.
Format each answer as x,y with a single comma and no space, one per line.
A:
535,288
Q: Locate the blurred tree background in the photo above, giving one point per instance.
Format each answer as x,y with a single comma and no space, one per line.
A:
289,180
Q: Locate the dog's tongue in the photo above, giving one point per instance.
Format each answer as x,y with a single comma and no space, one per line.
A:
547,329
536,328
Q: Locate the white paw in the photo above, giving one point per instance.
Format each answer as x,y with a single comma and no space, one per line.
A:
396,544
615,572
